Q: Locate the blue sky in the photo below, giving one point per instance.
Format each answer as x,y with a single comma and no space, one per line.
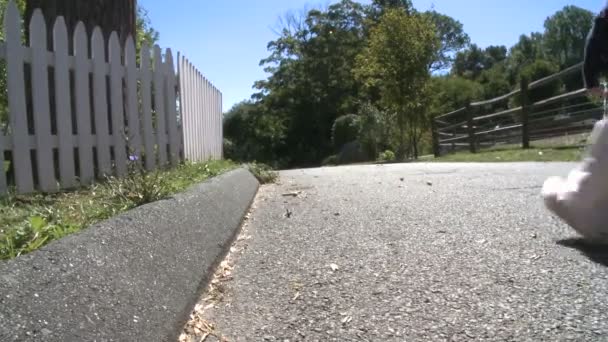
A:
226,39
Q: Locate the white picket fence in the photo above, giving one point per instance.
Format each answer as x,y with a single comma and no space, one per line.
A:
98,126
201,113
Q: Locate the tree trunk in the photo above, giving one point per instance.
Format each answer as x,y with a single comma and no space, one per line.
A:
109,15
401,153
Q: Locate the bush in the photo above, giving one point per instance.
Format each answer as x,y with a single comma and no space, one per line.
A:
229,149
387,156
345,129
535,71
263,172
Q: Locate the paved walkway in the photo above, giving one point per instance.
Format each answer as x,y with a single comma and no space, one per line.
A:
416,252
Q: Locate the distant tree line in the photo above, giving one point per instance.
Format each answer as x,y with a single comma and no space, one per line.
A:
349,82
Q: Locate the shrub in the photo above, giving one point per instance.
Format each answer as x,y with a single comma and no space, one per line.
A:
263,172
345,129
387,156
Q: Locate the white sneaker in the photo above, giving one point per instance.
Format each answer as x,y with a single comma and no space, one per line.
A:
581,200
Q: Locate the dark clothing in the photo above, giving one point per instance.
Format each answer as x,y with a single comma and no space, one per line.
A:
596,51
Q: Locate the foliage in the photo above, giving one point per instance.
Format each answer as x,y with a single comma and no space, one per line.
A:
387,156
264,173
138,187
471,62
451,36
537,70
399,51
29,222
345,129
565,34
146,34
311,83
252,133
493,82
527,50
454,92
384,61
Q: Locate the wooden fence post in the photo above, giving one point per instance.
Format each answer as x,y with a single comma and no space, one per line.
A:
525,111
436,150
470,128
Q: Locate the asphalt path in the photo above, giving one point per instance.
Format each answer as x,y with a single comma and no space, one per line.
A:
412,252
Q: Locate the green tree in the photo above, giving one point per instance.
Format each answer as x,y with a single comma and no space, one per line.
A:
345,130
471,62
145,32
311,83
452,39
454,92
396,60
537,70
495,81
565,34
527,50
378,7
254,134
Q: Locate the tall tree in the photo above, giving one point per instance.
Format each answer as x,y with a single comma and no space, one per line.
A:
396,59
565,34
378,7
469,63
452,39
311,83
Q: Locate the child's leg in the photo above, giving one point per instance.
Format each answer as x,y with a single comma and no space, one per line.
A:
581,200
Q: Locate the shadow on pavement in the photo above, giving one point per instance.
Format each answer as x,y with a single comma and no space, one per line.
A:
596,252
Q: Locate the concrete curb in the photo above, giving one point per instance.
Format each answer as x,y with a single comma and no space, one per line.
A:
135,277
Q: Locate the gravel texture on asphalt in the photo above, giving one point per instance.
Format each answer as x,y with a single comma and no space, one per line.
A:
414,252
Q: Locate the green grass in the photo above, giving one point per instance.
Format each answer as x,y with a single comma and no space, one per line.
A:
549,154
30,222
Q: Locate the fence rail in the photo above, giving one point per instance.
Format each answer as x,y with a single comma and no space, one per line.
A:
79,117
568,113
